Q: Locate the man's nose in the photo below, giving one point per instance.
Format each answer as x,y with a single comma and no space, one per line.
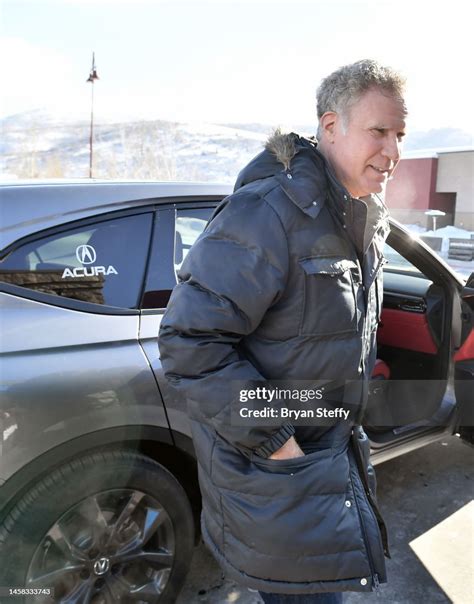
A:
392,148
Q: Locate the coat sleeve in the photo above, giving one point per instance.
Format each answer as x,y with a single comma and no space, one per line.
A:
233,273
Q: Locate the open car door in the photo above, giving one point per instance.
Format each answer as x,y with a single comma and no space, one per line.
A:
422,385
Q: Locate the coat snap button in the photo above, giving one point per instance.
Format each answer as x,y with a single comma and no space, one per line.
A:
363,581
315,203
289,176
348,504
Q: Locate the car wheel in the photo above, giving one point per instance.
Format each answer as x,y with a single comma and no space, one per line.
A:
111,526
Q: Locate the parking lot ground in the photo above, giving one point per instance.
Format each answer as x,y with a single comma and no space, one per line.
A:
427,500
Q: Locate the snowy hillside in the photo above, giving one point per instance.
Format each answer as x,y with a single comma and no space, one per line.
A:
37,144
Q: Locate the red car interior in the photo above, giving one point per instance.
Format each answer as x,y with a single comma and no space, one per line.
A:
403,329
381,370
466,351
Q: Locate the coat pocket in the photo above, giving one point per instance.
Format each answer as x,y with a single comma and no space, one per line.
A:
292,520
290,466
330,296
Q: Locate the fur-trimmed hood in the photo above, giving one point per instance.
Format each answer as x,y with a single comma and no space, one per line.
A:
278,156
282,146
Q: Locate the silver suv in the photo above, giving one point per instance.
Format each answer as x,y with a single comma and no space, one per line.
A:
98,483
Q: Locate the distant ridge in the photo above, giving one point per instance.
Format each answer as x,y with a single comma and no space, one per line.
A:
38,144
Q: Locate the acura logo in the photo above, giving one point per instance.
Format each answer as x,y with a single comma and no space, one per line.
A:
101,566
86,254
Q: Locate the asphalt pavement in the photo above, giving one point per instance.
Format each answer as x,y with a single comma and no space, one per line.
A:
426,498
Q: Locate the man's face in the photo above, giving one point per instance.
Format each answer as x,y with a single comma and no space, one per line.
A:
365,148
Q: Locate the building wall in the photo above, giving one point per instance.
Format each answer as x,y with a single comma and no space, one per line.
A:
414,189
465,220
444,201
409,189
456,173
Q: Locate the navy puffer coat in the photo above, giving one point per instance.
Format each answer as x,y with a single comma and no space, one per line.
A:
285,283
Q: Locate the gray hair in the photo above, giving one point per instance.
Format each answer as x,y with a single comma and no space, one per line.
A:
345,86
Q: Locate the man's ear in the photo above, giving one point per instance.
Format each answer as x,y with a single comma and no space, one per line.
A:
327,124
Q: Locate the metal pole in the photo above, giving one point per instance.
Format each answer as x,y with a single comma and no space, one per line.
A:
92,76
91,131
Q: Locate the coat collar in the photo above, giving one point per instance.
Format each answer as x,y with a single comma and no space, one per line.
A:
303,177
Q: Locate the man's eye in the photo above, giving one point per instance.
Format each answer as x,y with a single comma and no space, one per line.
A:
380,130
400,137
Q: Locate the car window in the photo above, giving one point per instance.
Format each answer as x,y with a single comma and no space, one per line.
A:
175,233
189,224
103,263
397,261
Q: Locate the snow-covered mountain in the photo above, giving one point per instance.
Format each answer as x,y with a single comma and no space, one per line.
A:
37,144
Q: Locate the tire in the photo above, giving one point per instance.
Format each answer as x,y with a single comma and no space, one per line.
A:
111,526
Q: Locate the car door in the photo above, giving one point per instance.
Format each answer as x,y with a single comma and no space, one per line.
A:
70,347
177,227
423,325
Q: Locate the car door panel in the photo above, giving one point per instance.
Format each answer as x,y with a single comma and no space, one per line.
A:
413,340
412,315
175,405
62,386
405,329
466,352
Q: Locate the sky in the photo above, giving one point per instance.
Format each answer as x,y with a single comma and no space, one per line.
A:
224,61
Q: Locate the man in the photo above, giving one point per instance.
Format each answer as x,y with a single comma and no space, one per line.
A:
286,284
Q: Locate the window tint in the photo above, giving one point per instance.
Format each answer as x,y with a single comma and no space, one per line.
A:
189,225
102,263
175,233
